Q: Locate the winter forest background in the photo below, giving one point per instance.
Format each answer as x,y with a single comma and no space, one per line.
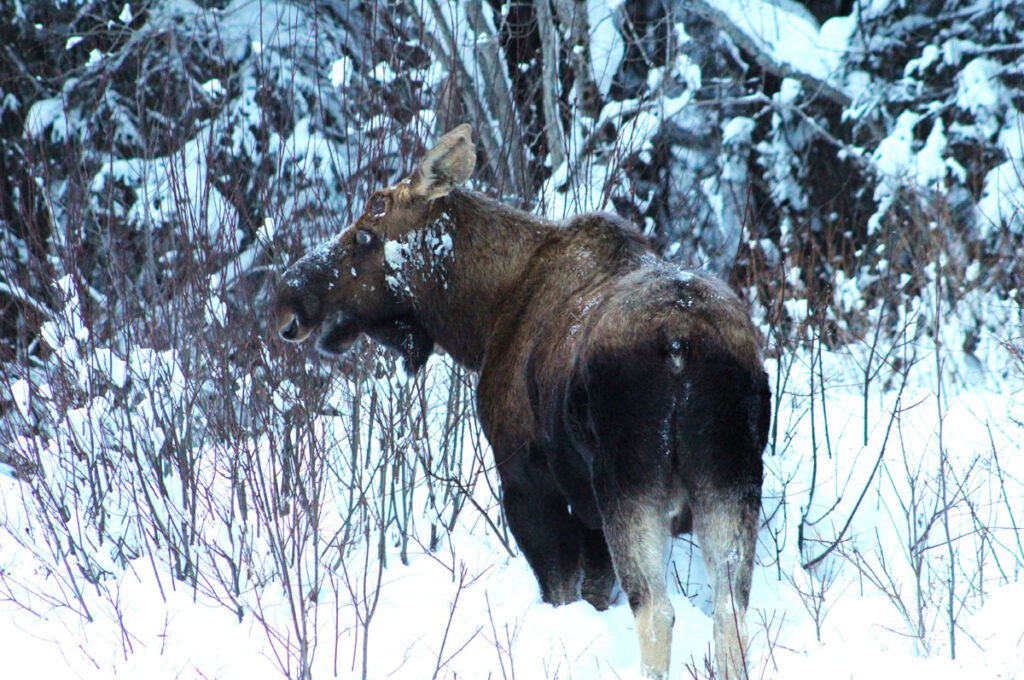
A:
183,496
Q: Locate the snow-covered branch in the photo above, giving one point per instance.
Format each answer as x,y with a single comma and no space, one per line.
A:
782,43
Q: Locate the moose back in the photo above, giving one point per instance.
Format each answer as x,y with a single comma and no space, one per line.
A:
623,396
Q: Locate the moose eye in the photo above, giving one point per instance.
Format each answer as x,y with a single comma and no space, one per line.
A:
365,237
378,206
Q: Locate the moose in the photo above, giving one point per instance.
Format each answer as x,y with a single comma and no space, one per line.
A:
623,396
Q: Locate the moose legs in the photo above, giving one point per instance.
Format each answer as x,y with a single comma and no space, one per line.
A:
549,538
637,532
725,522
598,574
726,526
568,559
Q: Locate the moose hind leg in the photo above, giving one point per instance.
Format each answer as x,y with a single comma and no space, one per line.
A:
637,533
726,527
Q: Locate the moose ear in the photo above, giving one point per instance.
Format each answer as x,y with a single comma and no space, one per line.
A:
447,165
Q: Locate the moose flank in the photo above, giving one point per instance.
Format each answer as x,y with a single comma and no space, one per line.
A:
623,396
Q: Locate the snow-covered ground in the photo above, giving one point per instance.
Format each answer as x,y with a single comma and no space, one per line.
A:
878,606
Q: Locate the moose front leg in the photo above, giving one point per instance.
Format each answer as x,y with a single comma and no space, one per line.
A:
598,573
548,536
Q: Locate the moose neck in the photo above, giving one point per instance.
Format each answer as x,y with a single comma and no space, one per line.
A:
459,296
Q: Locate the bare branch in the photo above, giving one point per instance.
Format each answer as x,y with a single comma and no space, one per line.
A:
549,82
573,13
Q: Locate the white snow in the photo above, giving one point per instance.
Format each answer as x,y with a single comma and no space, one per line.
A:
978,89
1011,137
395,254
21,395
791,36
738,130
475,611
929,55
1002,199
174,190
341,71
606,43
213,87
383,73
44,114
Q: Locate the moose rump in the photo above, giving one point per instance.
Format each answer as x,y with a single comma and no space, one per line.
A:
650,411
623,396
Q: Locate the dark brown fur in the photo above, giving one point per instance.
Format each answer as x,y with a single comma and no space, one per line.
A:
623,396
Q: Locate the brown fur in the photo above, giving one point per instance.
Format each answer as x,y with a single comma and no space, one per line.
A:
623,396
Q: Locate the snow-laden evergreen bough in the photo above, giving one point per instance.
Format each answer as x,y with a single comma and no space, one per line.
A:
623,396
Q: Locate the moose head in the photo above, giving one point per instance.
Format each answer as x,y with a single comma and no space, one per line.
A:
356,282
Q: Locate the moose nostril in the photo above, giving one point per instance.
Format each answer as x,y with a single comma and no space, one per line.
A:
290,331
